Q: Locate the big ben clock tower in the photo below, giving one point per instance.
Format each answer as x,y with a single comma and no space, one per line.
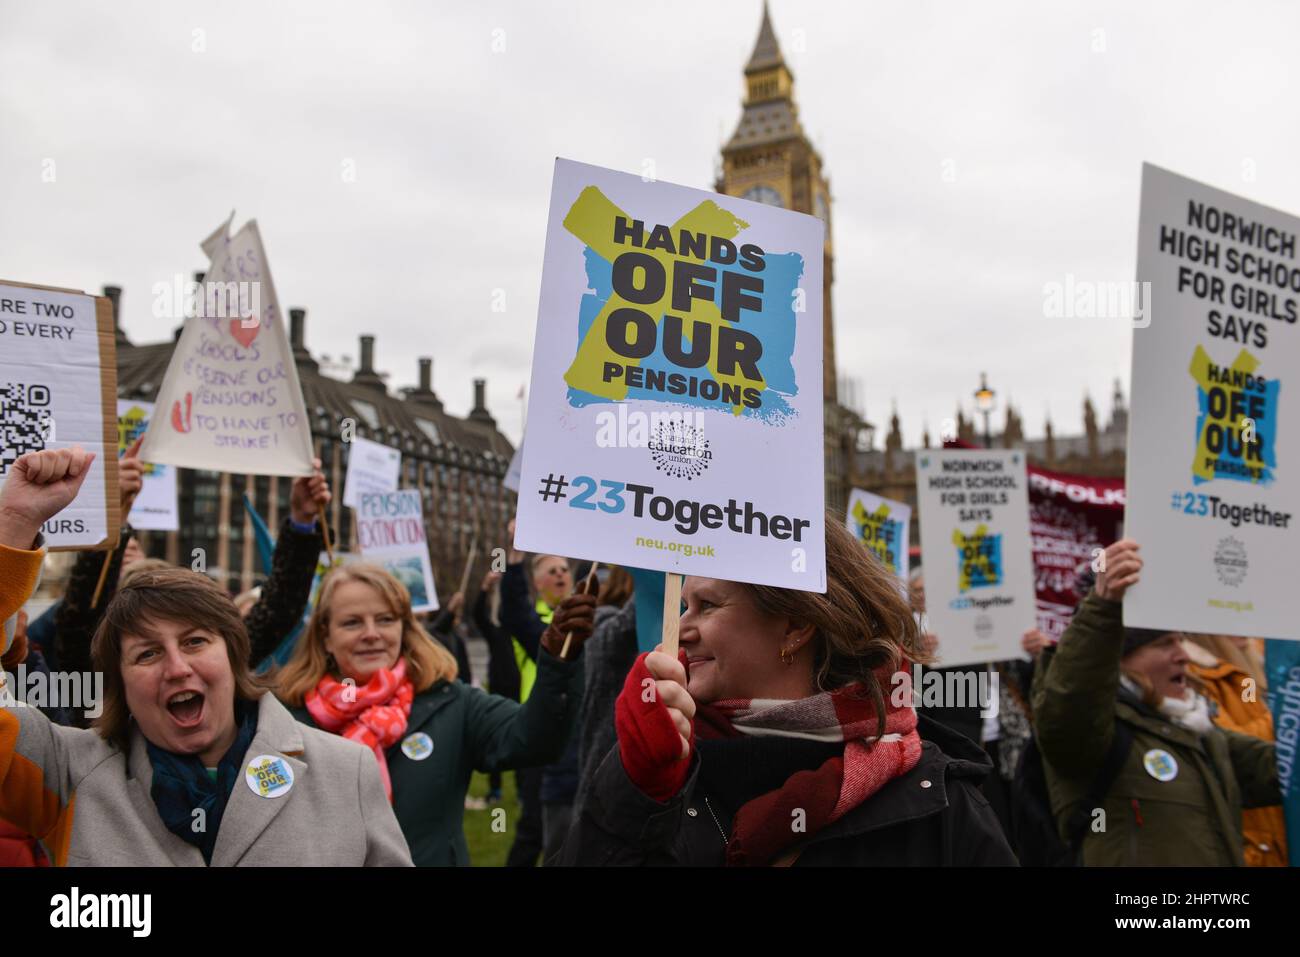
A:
769,159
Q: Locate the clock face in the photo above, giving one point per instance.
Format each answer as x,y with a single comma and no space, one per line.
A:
821,208
764,194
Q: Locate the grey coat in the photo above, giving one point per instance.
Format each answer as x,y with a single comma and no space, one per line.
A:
335,813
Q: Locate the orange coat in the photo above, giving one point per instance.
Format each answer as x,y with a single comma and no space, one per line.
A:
1264,828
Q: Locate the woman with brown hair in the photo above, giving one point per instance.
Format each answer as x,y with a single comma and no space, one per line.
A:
190,762
786,734
365,669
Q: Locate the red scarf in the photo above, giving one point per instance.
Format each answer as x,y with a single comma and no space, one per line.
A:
761,829
374,713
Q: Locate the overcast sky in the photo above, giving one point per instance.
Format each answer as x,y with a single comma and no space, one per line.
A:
976,151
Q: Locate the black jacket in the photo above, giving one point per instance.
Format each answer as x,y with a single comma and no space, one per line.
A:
933,815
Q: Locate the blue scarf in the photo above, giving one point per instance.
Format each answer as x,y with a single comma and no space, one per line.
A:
182,785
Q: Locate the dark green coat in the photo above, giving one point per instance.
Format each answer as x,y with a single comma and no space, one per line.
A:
473,731
1193,819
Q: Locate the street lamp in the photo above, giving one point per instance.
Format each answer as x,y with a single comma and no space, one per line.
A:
984,403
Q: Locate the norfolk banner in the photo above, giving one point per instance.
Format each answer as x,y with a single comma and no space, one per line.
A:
975,549
882,526
675,409
1213,496
230,399
1072,519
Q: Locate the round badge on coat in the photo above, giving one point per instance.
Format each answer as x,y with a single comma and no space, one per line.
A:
269,776
1160,764
417,746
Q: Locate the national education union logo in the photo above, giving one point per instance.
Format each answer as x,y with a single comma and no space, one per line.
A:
1230,561
680,450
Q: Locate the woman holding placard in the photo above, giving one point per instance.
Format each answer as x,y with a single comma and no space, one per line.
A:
365,669
785,734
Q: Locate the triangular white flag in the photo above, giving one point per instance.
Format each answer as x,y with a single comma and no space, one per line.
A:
231,401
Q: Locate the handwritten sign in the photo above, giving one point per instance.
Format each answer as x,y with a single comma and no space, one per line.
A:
390,532
230,401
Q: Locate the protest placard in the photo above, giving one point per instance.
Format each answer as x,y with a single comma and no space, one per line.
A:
975,549
230,400
155,508
372,467
58,380
1211,500
675,411
882,526
390,532
511,481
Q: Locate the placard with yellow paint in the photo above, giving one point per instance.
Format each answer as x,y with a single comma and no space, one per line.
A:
155,508
675,411
976,558
1213,494
883,527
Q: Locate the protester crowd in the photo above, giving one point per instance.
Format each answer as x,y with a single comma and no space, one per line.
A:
776,737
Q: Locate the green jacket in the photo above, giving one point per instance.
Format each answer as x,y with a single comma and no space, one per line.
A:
471,730
1193,816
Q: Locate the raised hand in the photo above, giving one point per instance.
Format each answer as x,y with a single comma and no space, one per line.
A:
38,487
574,620
654,717
1120,570
309,495
130,476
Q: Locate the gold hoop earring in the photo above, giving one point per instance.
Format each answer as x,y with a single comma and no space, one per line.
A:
787,657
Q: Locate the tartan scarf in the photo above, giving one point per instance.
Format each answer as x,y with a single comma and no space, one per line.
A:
374,713
761,829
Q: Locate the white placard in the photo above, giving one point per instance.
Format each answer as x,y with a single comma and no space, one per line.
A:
511,481
372,468
51,397
1213,502
675,409
882,526
155,508
230,400
975,550
390,532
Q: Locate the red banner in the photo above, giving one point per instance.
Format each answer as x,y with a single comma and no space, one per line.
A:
1070,517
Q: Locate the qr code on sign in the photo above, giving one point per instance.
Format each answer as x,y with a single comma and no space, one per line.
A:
25,421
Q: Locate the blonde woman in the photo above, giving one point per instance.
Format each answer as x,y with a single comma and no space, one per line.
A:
365,668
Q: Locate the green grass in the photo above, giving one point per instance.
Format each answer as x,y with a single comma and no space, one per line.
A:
488,848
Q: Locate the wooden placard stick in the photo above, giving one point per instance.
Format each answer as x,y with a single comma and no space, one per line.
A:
586,590
672,612
103,578
325,533
469,565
